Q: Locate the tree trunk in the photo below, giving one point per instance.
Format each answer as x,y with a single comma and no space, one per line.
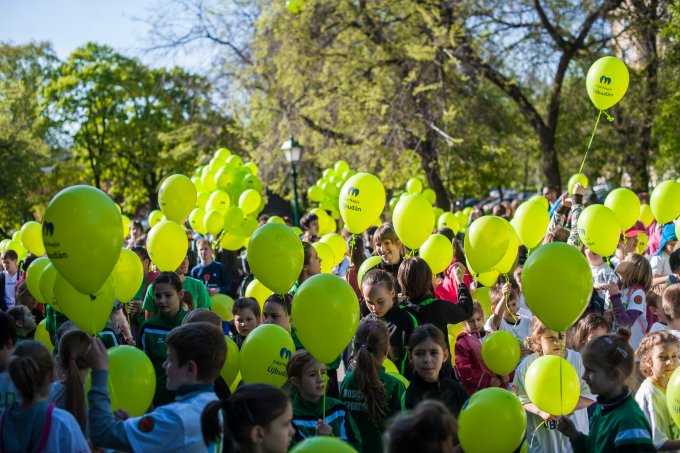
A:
427,151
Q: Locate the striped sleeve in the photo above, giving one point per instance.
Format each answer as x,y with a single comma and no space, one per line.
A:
633,436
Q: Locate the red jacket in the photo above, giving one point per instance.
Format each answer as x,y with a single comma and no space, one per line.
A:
448,289
473,373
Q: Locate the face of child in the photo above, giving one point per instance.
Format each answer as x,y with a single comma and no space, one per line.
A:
314,227
245,321
313,267
178,376
10,265
595,333
388,251
551,343
312,383
511,309
167,299
428,358
476,323
183,268
274,313
600,380
662,361
379,300
279,433
28,323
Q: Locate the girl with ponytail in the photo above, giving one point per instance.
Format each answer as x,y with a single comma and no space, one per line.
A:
35,424
257,418
371,395
68,391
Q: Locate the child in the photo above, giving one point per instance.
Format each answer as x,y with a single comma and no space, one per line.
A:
380,302
587,328
470,367
371,395
311,266
630,308
246,313
506,316
541,436
602,273
448,290
67,391
153,333
9,276
277,310
306,377
35,424
196,353
256,418
658,355
660,262
415,278
24,322
671,307
429,428
617,424
654,298
389,248
8,338
427,352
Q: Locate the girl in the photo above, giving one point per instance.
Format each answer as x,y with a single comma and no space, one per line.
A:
35,424
246,313
306,378
380,302
371,395
660,261
629,304
153,333
541,433
658,355
277,310
617,424
389,248
473,372
72,369
310,267
135,305
415,278
427,352
430,428
587,328
256,418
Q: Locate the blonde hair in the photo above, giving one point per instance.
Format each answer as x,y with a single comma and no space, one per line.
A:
671,301
647,344
640,273
533,340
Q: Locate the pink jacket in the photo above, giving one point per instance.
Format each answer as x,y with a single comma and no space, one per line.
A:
448,290
473,373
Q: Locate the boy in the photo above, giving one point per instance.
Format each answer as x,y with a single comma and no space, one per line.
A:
8,278
196,353
506,316
211,273
246,313
671,307
8,338
24,321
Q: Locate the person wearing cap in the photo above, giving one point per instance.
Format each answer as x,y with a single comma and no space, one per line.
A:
628,243
660,262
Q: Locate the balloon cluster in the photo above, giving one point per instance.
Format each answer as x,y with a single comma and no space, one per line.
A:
326,193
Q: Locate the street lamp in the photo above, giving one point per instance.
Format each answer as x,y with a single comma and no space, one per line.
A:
292,150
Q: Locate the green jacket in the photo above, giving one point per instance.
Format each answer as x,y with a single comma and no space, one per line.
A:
306,414
616,426
152,336
371,434
55,319
191,285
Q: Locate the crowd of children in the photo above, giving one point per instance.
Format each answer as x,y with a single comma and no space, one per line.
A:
623,348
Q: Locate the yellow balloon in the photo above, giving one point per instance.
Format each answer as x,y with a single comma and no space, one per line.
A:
607,82
219,201
83,235
213,221
486,242
362,199
202,199
177,197
47,280
413,220
224,177
132,380
33,275
325,253
275,256
31,237
155,217
222,154
87,311
232,363
500,352
222,305
626,206
42,336
598,228
167,244
196,220
665,201
552,385
258,291
646,216
126,225
265,354
127,275
430,196
337,244
367,265
249,201
643,240
208,179
507,263
448,220
577,178
232,241
482,296
437,251
251,167
531,222
414,185
541,199
326,223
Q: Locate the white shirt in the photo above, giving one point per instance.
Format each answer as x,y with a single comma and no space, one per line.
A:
652,401
660,264
602,274
10,285
636,300
520,330
175,427
547,438
656,327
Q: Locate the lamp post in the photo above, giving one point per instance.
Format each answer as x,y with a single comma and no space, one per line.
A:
292,150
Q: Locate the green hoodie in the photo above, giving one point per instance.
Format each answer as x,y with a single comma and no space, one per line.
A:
306,414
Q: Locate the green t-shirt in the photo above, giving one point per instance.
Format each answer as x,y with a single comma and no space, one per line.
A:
351,396
191,285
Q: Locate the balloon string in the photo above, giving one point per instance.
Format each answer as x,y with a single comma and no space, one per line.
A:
531,444
351,246
592,136
507,280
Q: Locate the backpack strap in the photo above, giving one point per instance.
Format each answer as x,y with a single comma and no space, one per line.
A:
47,426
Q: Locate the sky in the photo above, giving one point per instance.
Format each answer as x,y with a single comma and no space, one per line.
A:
68,24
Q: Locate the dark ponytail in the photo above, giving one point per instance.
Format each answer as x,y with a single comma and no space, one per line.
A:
370,345
29,368
73,346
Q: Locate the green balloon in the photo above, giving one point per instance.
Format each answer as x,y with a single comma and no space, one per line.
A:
322,444
598,228
557,284
276,256
625,204
33,275
486,242
83,236
264,355
413,220
607,82
665,201
87,311
368,264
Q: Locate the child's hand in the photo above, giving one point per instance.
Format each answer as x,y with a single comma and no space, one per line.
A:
459,272
566,427
506,290
566,201
578,189
612,288
546,416
495,382
323,429
96,356
135,306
